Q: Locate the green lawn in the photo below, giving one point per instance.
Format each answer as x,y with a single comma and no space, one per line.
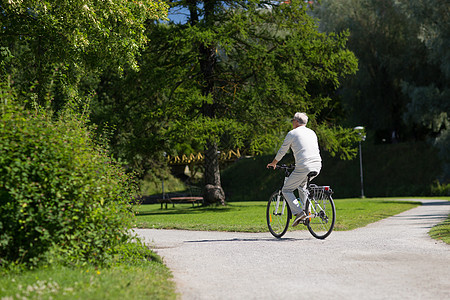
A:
250,216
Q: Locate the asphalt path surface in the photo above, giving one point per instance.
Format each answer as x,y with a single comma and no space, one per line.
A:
390,259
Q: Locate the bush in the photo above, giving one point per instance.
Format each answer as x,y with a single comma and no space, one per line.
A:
438,189
60,193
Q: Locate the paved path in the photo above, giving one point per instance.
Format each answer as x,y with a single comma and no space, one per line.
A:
390,259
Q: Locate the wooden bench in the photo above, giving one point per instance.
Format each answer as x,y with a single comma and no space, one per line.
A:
173,200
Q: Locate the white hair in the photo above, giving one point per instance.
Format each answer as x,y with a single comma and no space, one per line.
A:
302,118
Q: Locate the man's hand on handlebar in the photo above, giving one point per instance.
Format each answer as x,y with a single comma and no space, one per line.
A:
273,164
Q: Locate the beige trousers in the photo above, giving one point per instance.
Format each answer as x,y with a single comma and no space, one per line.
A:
297,180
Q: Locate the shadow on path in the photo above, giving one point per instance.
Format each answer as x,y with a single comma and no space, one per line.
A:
246,240
441,202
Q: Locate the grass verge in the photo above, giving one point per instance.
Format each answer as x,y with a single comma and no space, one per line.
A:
250,216
441,231
150,280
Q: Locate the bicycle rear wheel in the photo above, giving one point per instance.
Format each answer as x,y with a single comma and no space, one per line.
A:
322,215
278,214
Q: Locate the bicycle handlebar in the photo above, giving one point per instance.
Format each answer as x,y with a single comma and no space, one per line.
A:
285,167
288,168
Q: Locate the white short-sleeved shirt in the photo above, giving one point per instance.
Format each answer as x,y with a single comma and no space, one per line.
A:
304,145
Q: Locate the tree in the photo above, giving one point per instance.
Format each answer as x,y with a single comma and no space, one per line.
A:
403,83
384,40
235,72
429,107
52,46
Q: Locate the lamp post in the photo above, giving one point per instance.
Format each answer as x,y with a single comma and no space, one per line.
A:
162,181
362,137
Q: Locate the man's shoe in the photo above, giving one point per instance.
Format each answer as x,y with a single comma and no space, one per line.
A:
298,218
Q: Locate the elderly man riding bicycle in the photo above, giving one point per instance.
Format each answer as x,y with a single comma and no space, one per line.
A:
305,147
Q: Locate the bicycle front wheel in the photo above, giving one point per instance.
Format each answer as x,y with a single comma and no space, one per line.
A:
278,214
322,215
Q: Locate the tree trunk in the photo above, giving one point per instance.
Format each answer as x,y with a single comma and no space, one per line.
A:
214,193
212,171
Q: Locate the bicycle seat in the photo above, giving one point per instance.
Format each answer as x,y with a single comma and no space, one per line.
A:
312,174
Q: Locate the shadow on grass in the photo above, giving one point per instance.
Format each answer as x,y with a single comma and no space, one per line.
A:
196,210
183,211
400,202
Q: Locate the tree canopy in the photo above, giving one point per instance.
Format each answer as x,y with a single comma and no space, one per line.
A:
402,89
48,46
233,75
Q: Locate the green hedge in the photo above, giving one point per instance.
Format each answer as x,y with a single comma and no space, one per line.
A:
404,169
61,196
389,170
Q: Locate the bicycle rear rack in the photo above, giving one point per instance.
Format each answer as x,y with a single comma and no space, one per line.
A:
316,192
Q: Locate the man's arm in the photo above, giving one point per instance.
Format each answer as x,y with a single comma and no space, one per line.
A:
282,151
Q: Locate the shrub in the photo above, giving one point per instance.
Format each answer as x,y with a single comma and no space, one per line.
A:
60,193
438,189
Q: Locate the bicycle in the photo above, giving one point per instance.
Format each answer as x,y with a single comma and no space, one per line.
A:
319,208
